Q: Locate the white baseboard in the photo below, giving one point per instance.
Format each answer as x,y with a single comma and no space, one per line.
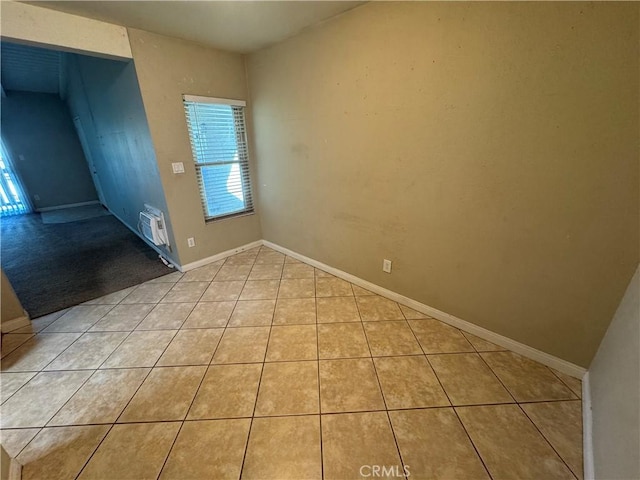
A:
16,323
218,256
15,470
524,350
68,205
587,429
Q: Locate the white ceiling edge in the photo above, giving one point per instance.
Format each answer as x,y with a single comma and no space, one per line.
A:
241,26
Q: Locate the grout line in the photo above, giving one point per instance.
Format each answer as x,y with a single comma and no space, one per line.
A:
319,392
384,400
451,403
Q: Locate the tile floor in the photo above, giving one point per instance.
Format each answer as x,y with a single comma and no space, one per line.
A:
263,367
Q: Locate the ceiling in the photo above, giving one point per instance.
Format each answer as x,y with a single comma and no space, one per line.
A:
238,26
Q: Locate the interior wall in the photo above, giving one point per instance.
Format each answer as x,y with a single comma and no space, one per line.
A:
45,149
168,68
11,308
105,95
614,377
490,150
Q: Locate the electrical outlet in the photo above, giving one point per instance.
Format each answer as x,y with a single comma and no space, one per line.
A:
386,265
191,242
178,167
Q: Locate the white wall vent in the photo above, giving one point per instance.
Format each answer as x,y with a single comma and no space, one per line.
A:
153,227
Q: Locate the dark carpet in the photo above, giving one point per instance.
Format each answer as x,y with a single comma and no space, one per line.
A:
55,266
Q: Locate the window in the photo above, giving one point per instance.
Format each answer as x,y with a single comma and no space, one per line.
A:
219,146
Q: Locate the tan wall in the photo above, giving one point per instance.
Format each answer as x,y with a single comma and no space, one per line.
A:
489,149
41,26
10,305
614,378
167,68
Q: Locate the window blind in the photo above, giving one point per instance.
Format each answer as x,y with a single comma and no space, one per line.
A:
219,145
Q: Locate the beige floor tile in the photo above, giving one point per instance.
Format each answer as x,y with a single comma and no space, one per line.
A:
338,381
288,259
411,314
242,345
15,439
296,288
332,287
284,448
376,308
266,272
140,349
79,319
295,311
297,270
322,274
102,398
166,394
243,258
481,345
37,352
391,338
152,444
208,449
227,391
168,278
288,388
292,342
10,383
88,352
123,318
525,379
166,316
112,298
574,384
409,382
359,291
337,309
60,452
233,272
265,257
354,442
467,379
223,291
509,444
191,347
342,340
561,424
35,403
11,341
40,323
260,290
435,446
202,274
438,337
252,313
185,292
148,293
209,315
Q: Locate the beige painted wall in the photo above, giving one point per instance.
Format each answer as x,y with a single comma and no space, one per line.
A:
490,150
33,25
10,305
614,377
167,68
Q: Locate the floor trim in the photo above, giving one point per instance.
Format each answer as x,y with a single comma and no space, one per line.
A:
15,323
524,350
69,205
218,256
587,429
15,470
